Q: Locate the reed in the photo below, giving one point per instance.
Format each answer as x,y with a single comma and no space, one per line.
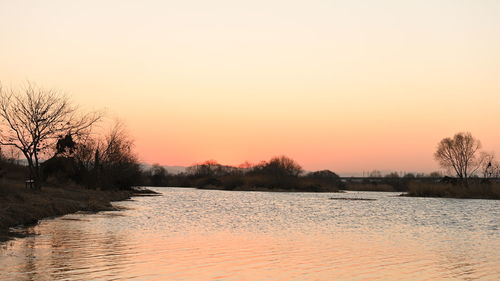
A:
473,190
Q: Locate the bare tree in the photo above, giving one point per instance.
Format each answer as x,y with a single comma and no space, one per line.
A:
117,146
106,161
34,118
117,164
460,154
490,165
85,152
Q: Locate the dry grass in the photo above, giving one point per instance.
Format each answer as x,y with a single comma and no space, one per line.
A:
476,190
20,206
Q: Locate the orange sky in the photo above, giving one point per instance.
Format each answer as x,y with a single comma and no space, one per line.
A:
344,85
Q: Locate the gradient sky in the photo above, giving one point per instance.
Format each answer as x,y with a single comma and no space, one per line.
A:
341,85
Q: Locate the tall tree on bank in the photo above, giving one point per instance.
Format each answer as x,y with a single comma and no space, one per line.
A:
33,119
460,154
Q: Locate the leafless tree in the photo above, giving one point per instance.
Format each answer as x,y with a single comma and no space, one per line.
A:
490,165
85,152
460,154
117,164
32,119
104,161
117,146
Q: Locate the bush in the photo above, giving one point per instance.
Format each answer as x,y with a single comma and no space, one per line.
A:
279,174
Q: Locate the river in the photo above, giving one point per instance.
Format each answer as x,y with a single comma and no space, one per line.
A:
191,234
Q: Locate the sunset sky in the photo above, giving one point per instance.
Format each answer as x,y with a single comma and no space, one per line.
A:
349,86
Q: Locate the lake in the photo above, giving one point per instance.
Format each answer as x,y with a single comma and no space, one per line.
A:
191,234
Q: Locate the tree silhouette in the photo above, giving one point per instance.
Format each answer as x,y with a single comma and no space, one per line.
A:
33,119
460,154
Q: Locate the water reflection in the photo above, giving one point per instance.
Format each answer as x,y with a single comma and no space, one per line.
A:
214,235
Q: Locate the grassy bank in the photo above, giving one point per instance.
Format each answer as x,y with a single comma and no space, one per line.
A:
20,206
472,191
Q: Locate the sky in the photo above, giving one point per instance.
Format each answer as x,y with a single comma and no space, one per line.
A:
349,86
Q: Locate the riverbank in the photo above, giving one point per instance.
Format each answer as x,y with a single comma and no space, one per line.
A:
472,191
20,206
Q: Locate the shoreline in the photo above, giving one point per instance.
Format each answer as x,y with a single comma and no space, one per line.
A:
24,207
450,197
406,193
266,189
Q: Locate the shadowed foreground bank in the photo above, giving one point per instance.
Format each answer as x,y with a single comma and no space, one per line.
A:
20,206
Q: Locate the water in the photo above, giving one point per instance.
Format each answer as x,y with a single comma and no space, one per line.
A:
190,234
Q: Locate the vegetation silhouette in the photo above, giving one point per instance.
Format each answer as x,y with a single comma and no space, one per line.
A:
63,193
280,173
62,152
97,163
476,189
460,155
284,174
32,119
476,172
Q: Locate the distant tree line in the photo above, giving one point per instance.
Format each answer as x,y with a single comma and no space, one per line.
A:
279,173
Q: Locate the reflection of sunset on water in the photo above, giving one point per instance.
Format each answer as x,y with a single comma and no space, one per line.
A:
192,234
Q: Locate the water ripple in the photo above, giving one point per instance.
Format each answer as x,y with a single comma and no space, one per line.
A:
190,234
